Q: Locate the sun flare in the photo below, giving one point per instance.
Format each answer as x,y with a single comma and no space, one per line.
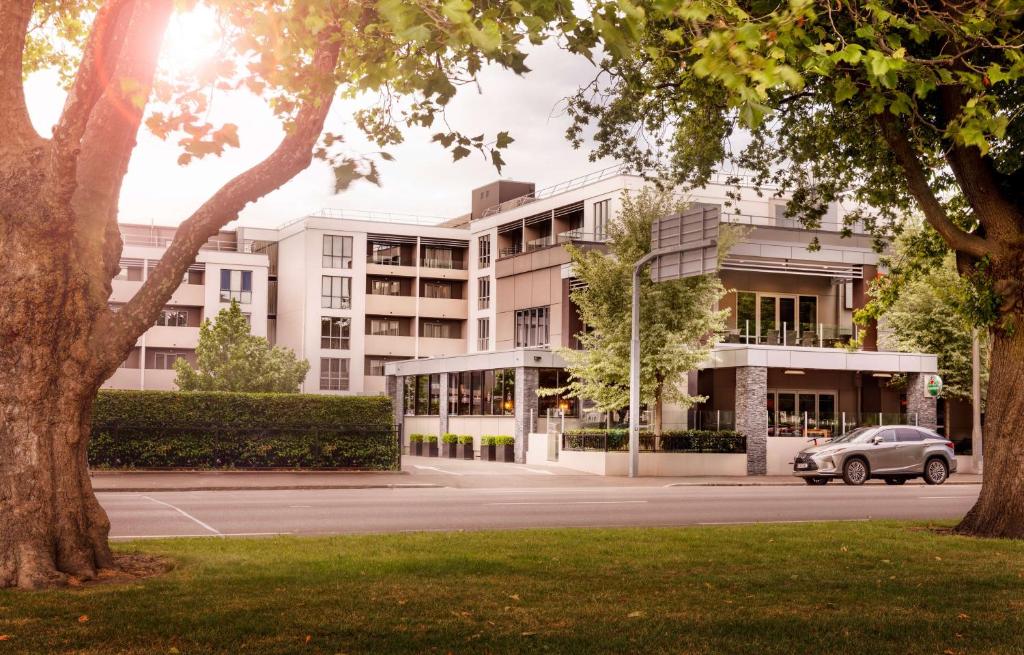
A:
193,38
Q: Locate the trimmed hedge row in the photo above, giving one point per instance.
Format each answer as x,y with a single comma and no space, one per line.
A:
219,430
497,440
675,441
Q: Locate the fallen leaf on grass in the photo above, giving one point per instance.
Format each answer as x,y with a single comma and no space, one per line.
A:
83,618
962,616
527,634
5,637
635,615
309,638
514,596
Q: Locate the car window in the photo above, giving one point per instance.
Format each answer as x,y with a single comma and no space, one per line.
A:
908,434
888,436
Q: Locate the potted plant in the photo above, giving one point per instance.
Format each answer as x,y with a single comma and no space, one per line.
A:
429,445
497,448
464,447
415,444
449,444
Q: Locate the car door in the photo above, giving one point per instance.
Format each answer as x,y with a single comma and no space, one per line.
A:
911,445
883,456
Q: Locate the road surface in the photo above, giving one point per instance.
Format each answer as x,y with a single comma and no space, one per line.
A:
136,515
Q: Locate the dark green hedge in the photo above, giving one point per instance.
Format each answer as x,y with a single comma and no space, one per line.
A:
676,441
217,430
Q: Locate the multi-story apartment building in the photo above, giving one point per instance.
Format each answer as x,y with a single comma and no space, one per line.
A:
460,321
225,270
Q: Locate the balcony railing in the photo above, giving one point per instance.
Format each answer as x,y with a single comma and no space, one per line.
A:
578,235
510,251
390,260
542,242
449,264
156,241
809,336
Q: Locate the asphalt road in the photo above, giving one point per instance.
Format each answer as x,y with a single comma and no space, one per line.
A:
339,511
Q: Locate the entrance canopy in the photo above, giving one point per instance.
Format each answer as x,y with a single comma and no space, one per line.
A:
727,355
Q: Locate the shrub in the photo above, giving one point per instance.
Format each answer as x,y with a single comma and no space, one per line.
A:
497,440
465,439
429,438
678,441
217,430
449,437
416,438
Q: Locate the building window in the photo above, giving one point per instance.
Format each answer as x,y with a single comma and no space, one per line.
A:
173,318
385,327
335,292
440,330
483,333
130,273
387,254
483,288
439,289
337,252
484,250
164,360
235,285
555,378
333,374
532,327
602,210
385,287
375,365
482,393
434,257
423,394
334,332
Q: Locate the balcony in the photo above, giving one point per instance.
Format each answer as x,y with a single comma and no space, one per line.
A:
159,379
579,236
379,344
391,266
124,378
390,305
163,336
823,336
189,294
435,347
123,290
440,269
444,308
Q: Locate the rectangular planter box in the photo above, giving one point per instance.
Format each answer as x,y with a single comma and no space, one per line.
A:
449,450
429,450
498,453
415,448
464,451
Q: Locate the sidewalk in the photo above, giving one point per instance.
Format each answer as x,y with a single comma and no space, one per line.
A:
422,473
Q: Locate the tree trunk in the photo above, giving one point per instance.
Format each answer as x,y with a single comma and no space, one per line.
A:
51,525
999,511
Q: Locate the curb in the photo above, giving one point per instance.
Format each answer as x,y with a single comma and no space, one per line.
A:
290,487
781,484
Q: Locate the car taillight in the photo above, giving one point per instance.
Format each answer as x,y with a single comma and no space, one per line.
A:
949,444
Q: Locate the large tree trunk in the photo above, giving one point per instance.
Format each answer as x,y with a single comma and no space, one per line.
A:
999,511
52,524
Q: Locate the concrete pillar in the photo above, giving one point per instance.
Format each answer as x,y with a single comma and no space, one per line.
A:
442,411
395,385
920,403
752,415
526,400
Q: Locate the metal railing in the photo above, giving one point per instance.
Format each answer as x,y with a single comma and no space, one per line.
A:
449,264
578,234
157,241
369,216
557,188
819,335
542,242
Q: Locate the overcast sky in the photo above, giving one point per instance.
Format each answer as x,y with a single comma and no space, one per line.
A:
422,180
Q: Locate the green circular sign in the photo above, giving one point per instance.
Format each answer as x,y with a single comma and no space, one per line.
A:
933,384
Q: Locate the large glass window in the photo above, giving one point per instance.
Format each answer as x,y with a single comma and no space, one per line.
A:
235,285
440,330
808,314
334,332
601,219
335,292
554,378
484,250
173,317
532,327
387,327
483,333
434,257
410,394
333,374
746,316
385,287
439,289
388,254
337,252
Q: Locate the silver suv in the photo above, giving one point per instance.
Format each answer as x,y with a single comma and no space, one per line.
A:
894,453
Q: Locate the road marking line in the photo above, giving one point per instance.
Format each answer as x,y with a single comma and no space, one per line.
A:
186,515
300,506
943,497
578,502
204,535
434,468
541,471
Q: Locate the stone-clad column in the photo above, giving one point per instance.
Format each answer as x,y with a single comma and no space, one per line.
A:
752,415
920,403
526,408
442,411
396,392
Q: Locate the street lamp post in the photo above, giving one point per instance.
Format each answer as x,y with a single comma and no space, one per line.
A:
634,356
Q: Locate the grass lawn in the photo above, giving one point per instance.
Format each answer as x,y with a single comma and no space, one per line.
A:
808,588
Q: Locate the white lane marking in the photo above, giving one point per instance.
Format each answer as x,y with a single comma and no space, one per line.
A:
186,515
204,535
434,468
945,497
300,506
578,502
541,471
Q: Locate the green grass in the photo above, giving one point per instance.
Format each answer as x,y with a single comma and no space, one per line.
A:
791,589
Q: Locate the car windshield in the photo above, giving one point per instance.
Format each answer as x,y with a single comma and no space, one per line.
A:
853,436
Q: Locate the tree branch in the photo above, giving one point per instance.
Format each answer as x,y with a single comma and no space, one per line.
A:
917,182
95,73
292,155
15,124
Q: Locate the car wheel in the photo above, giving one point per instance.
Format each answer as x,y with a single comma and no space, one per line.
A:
817,482
936,471
895,480
855,471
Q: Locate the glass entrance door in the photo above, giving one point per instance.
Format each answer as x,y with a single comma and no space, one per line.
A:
789,412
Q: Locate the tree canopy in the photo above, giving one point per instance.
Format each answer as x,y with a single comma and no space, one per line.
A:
230,358
678,319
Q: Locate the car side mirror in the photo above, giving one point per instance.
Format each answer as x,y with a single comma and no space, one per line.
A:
877,439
